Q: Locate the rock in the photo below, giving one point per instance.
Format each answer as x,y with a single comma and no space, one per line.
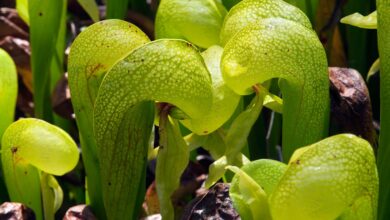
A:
350,103
15,211
153,217
79,212
214,205
11,24
60,100
20,52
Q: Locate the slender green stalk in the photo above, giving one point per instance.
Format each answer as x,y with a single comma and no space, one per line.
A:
238,133
117,9
52,195
172,160
230,3
22,8
57,65
356,38
273,137
274,132
8,91
256,139
45,22
91,8
383,8
309,7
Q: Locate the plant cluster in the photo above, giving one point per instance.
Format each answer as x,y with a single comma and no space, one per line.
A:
204,60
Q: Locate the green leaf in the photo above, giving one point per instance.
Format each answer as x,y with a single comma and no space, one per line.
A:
57,66
225,101
236,138
359,42
309,7
44,28
325,179
218,168
251,12
246,189
266,173
8,90
273,102
215,143
117,9
88,63
216,171
170,71
358,20
172,159
230,3
57,191
361,209
22,8
8,95
28,147
91,8
196,21
373,69
383,8
123,159
194,141
57,60
251,57
52,195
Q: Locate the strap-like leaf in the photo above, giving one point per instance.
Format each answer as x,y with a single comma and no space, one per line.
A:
173,158
358,20
52,195
22,7
8,90
117,9
91,8
46,19
383,7
373,69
